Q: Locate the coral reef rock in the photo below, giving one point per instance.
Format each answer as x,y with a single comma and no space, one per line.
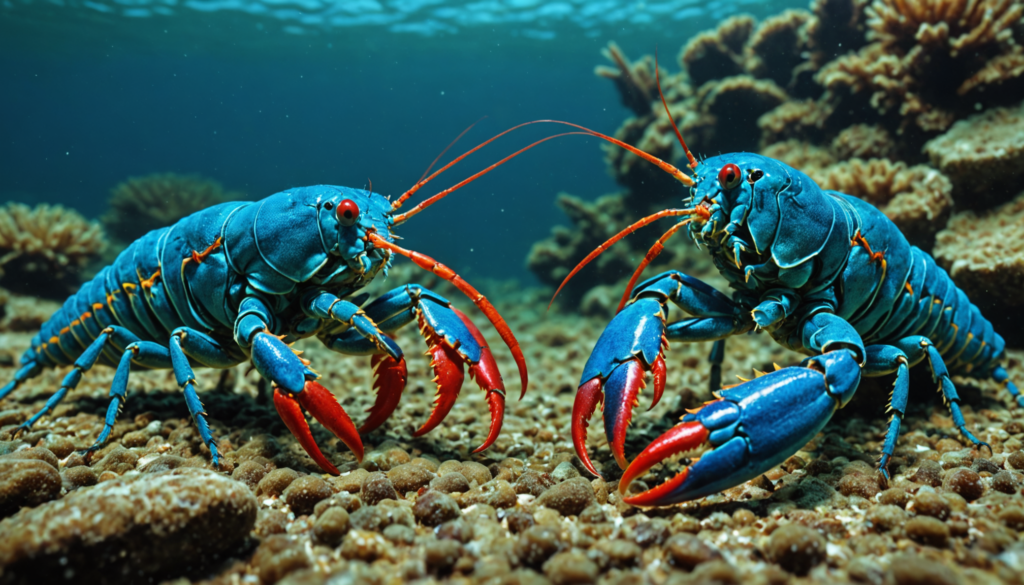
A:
44,249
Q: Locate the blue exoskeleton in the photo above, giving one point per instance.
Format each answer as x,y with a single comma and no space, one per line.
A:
825,274
242,281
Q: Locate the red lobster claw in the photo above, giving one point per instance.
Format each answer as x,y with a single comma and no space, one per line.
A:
324,407
489,379
389,380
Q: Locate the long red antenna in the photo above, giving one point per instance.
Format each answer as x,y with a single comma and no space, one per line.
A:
657,81
612,240
402,217
451,144
653,253
427,263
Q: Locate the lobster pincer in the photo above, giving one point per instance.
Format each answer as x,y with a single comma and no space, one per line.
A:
749,429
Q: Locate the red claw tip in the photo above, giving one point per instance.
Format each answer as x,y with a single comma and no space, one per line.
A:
588,397
679,439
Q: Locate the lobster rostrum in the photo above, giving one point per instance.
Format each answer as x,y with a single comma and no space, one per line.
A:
822,272
243,280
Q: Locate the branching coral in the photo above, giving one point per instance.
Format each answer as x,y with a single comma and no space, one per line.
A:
985,254
777,47
983,156
142,204
43,249
863,141
635,81
719,53
961,24
917,199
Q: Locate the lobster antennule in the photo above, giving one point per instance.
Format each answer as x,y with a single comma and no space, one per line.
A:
427,263
679,135
612,240
447,148
403,217
653,253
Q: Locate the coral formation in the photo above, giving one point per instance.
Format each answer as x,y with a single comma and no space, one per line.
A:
44,249
141,204
985,254
983,156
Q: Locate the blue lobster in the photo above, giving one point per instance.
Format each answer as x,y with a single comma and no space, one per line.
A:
243,280
825,274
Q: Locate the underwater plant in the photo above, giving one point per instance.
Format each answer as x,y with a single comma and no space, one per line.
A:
43,249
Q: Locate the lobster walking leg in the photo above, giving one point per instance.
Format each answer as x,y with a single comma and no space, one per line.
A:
186,379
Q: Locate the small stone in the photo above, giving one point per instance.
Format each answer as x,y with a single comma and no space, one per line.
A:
886,517
569,497
303,494
533,482
277,557
408,477
139,525
59,445
135,439
564,471
458,530
652,533
915,570
928,473
497,494
363,546
450,483
377,487
894,497
351,482
343,500
475,472
119,460
271,521
818,467
685,551
965,482
249,472
369,519
36,453
433,508
593,514
1013,427
78,477
1012,517
855,484
26,482
928,530
569,568
620,553
982,465
519,521
428,464
743,517
1016,460
796,548
163,463
331,526
441,555
275,482
536,545
930,504
1006,482
400,534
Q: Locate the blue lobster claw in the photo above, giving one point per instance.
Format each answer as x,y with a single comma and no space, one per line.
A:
750,429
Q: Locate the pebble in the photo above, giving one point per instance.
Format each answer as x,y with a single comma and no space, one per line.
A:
915,570
441,555
619,553
409,477
475,472
929,503
400,534
130,525
164,463
1006,482
331,526
36,453
249,472
796,548
652,533
352,481
928,473
78,477
450,483
564,471
964,482
305,492
856,484
275,482
271,521
59,445
593,514
1016,460
928,530
26,482
894,497
567,568
533,482
685,551
119,460
519,521
1013,517
364,546
536,545
886,517
458,530
569,497
434,507
497,494
277,557
343,500
377,487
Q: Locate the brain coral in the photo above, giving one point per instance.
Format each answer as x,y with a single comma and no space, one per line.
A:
43,249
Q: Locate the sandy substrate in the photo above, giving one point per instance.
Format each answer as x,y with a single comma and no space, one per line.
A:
150,506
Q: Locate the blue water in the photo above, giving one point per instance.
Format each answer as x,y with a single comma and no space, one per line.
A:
263,96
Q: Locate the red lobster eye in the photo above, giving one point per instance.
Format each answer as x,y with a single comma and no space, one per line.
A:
348,212
729,176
